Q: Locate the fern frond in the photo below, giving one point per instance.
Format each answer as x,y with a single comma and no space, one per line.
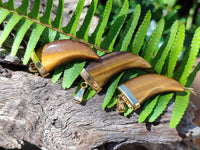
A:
153,41
84,30
192,75
57,74
34,38
162,54
99,30
14,19
185,70
73,24
181,103
147,109
10,4
34,14
72,71
163,100
46,18
57,23
111,90
129,30
110,38
23,9
176,49
4,13
127,111
140,34
23,28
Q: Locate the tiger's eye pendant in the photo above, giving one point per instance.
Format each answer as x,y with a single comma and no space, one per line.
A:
56,53
135,91
97,74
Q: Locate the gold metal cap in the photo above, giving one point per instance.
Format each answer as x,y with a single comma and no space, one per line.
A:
128,97
90,81
38,65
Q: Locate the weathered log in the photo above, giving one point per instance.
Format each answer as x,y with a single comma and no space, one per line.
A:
33,110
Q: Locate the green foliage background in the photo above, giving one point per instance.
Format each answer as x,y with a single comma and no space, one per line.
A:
130,30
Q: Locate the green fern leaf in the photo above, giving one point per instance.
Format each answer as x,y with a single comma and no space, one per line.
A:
34,38
25,24
57,74
195,45
46,18
113,101
23,27
176,49
73,24
89,93
160,58
10,4
99,30
148,108
129,30
111,90
23,9
57,23
163,100
192,75
84,30
4,13
181,103
110,38
34,14
140,34
153,41
129,74
14,19
72,71
127,111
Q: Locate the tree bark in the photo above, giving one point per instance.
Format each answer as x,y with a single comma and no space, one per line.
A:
37,112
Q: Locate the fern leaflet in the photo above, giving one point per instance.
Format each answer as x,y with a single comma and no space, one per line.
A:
111,90
110,38
148,108
181,103
163,100
129,30
192,75
84,30
176,49
153,41
72,71
140,34
73,24
195,45
97,34
160,58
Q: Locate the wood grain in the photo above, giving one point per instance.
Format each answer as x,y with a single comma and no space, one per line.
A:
33,110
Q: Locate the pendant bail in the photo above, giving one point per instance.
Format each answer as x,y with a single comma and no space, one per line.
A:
120,104
79,95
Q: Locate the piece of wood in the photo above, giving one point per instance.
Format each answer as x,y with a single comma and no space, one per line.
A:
33,110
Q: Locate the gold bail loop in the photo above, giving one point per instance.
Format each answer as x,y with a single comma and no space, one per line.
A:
120,104
79,95
32,67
